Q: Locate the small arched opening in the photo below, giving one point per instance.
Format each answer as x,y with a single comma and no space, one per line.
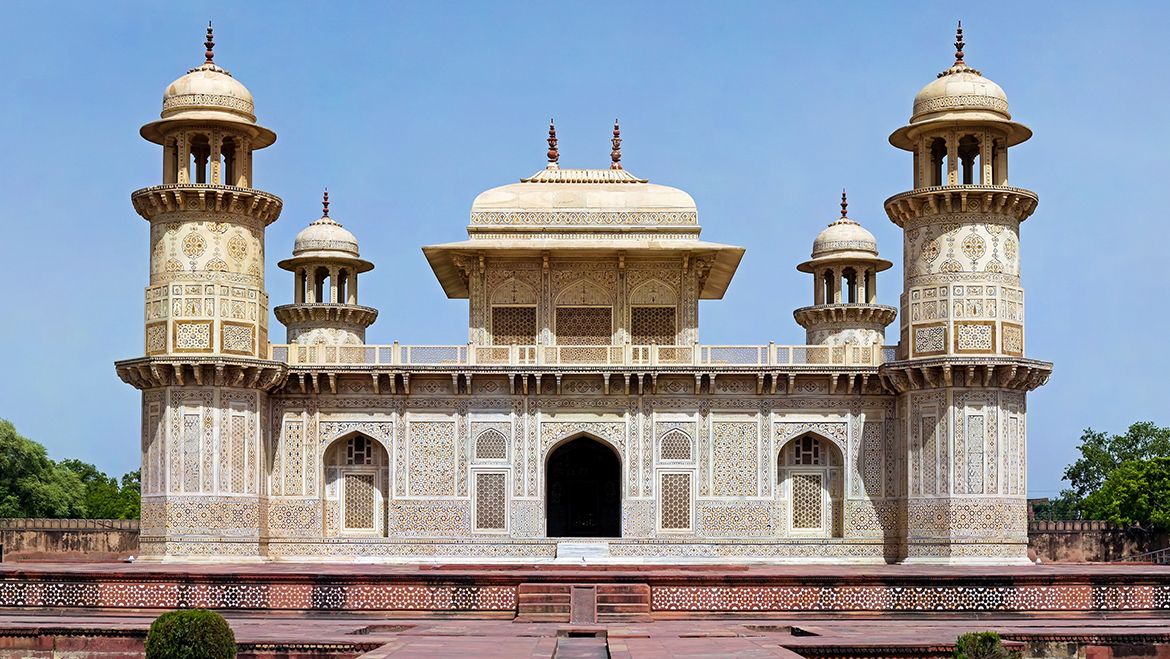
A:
230,167
810,472
830,285
200,154
969,160
583,490
321,286
938,157
357,481
849,284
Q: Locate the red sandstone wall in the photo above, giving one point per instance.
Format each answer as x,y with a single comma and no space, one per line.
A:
1079,541
68,539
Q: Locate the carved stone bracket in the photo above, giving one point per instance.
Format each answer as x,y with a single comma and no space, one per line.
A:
1020,374
154,372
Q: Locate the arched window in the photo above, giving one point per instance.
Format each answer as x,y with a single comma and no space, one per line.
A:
676,445
321,289
810,476
491,445
200,154
230,168
830,282
849,277
969,159
938,157
356,479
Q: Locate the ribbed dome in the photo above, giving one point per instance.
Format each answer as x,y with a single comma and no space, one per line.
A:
960,90
325,237
844,235
208,94
206,91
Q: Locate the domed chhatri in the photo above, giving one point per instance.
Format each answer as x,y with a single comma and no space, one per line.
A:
208,93
844,266
960,94
326,264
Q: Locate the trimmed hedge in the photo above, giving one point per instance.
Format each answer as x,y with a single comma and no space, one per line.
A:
982,645
190,634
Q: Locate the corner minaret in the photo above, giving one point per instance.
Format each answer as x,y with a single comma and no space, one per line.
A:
326,265
206,372
844,266
961,374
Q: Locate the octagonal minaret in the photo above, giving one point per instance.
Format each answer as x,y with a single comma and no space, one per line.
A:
326,264
206,374
844,266
961,374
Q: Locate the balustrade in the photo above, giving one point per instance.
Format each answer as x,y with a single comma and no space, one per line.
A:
589,355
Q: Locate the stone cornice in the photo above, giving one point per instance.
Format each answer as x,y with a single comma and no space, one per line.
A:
168,371
822,316
344,314
1002,372
178,197
999,199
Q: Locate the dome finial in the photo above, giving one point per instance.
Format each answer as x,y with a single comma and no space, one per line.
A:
959,44
210,43
553,156
844,206
325,203
616,154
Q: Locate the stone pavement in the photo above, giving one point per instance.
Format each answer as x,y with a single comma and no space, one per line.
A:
263,635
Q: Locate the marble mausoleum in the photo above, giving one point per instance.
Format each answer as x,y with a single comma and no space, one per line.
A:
584,414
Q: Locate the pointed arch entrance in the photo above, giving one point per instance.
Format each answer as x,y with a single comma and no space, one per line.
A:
583,490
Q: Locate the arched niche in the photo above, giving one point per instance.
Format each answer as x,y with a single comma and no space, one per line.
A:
583,488
356,485
654,292
810,471
512,291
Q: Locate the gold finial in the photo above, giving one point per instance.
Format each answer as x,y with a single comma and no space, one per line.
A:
959,44
844,206
553,156
325,203
210,43
616,154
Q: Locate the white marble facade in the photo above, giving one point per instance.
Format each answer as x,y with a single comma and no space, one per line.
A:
584,397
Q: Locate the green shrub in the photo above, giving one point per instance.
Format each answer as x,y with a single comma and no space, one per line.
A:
982,645
190,634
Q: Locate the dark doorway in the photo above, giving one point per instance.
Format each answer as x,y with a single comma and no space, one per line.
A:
583,497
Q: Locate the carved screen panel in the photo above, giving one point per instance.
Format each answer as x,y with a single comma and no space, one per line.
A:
359,502
676,445
652,325
808,509
491,445
676,502
490,501
513,325
584,326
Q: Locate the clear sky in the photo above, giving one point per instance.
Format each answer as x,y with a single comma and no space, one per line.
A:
762,111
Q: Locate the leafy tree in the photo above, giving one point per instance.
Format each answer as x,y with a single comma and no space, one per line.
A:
1137,492
31,485
104,498
1102,453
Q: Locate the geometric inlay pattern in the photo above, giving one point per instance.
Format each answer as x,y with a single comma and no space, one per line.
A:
676,502
491,499
807,503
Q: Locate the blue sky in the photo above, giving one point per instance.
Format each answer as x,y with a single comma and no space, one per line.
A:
762,111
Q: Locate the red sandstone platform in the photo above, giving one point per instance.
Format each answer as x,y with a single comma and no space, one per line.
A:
303,610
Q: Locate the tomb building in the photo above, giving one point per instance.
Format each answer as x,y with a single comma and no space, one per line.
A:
584,414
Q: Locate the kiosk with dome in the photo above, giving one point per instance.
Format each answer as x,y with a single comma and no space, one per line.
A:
584,416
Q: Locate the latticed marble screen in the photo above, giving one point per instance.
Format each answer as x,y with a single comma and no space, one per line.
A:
806,451
513,325
808,510
676,502
652,325
584,326
676,445
491,499
491,445
359,502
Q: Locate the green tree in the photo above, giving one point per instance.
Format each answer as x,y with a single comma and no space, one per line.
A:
104,498
1137,492
1102,453
31,485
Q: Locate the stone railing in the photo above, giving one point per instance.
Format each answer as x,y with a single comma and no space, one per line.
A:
770,355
